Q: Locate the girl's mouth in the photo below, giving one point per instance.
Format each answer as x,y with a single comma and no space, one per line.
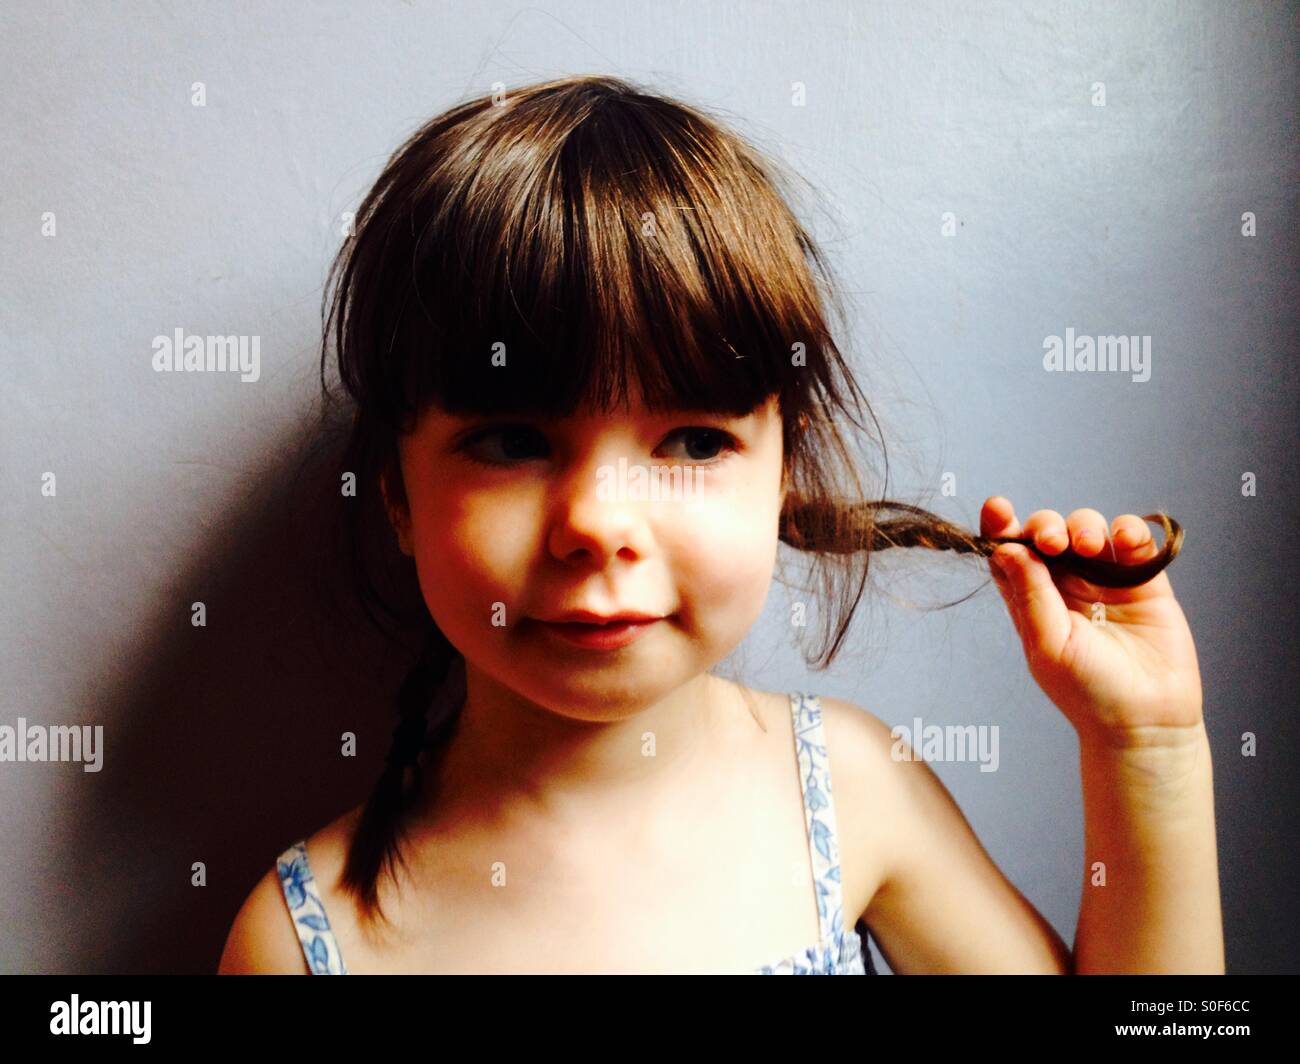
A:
609,636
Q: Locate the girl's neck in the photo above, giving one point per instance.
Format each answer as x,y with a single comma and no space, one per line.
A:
511,761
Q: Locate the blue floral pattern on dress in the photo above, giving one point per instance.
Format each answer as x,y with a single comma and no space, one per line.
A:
837,952
303,898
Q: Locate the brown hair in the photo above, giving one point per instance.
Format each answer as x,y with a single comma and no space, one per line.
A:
583,223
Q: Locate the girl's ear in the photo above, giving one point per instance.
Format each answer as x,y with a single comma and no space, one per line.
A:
399,513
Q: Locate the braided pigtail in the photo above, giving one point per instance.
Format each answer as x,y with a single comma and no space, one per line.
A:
376,844
839,528
841,537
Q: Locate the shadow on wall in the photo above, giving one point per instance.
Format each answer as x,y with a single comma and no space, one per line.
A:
227,739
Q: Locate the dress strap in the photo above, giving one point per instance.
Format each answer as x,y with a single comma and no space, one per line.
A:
302,895
819,811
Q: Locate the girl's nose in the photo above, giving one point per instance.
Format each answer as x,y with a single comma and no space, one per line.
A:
592,521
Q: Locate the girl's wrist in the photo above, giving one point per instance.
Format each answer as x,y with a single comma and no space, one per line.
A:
1121,738
1150,759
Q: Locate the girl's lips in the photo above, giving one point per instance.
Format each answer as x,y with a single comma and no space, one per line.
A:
600,636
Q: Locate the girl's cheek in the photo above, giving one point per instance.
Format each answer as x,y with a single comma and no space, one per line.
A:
473,564
452,544
724,559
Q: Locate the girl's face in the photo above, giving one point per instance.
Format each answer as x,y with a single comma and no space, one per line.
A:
515,522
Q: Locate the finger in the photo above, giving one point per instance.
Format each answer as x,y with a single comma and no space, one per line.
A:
1133,539
998,517
1043,618
1048,530
1089,535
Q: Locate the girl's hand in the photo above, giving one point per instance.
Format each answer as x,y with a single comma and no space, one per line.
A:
1118,662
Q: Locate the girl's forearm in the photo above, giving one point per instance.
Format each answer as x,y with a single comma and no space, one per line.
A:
1151,877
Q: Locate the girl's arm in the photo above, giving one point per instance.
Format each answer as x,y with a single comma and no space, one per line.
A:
1121,666
1151,877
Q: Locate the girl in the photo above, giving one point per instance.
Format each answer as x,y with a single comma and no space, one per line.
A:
592,379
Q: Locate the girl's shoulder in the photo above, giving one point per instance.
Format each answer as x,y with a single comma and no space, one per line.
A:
940,903
262,939
870,800
867,791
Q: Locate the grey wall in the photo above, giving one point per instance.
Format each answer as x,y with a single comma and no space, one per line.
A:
220,742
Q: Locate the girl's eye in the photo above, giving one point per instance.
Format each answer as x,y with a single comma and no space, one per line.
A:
516,441
515,438
711,439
